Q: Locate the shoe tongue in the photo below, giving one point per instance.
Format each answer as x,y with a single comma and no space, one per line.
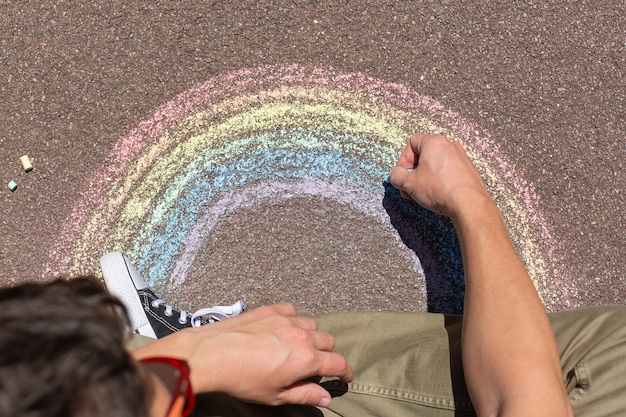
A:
163,303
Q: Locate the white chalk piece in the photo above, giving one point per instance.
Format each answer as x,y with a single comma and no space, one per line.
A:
28,166
12,185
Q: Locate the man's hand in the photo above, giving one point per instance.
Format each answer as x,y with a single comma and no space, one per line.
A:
262,356
438,174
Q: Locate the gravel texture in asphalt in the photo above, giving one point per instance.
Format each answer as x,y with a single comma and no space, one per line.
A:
541,85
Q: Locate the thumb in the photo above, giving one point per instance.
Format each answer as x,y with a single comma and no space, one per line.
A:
399,177
306,393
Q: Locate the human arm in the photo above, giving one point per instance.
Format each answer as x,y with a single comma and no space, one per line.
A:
261,356
510,359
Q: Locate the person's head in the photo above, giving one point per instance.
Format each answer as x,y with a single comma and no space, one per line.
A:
62,353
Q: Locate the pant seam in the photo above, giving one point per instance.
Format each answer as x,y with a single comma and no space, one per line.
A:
442,402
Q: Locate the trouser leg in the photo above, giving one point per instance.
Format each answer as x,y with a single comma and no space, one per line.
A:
405,364
592,345
401,367
409,364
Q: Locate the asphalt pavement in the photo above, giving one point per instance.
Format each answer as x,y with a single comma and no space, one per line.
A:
278,114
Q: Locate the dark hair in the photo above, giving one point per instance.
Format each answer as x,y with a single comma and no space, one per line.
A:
62,353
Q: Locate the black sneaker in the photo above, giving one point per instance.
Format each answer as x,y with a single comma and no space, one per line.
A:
149,315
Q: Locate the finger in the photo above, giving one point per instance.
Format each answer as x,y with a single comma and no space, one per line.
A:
417,141
304,323
305,393
322,341
399,177
285,309
257,316
334,364
408,158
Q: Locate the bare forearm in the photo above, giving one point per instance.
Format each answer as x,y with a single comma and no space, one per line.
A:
510,358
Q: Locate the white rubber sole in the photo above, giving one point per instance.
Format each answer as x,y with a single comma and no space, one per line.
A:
123,281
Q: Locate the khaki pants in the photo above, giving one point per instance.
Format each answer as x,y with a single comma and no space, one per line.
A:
409,364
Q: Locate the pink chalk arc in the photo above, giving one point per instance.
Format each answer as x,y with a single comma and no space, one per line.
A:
168,117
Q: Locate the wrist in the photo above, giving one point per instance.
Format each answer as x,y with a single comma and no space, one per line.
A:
471,207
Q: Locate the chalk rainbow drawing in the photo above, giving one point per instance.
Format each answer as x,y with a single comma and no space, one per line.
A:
276,132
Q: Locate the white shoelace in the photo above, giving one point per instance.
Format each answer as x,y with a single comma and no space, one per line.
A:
215,313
